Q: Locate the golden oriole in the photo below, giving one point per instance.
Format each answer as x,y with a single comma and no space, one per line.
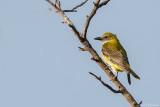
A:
115,56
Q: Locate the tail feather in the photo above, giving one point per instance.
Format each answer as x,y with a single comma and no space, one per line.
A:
129,78
134,74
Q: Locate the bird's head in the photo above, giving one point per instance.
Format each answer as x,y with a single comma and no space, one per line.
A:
107,37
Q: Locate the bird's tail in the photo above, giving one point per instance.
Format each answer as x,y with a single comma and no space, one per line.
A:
129,78
134,74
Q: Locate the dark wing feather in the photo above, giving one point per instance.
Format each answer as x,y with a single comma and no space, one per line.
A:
129,78
116,57
128,75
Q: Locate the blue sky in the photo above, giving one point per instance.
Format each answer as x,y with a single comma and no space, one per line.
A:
41,66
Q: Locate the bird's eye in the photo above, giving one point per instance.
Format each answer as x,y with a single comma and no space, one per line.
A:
106,37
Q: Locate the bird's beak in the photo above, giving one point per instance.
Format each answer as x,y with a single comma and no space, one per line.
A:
98,38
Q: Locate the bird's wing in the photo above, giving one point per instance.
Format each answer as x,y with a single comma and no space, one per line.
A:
116,57
128,75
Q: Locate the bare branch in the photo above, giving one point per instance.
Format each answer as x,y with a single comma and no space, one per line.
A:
57,3
74,9
82,49
97,60
93,12
106,85
103,3
52,4
53,10
140,103
65,18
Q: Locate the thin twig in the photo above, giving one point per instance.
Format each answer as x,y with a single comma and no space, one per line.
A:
82,49
106,85
53,10
140,103
52,4
66,19
58,4
97,60
93,12
74,9
103,3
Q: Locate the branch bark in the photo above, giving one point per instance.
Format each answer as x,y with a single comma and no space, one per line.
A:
93,12
74,9
87,46
106,85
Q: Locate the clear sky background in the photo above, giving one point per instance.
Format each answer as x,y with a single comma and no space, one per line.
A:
41,66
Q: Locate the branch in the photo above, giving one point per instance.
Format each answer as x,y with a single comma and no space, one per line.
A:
96,60
74,9
93,12
89,48
140,103
82,49
106,85
54,5
103,3
65,18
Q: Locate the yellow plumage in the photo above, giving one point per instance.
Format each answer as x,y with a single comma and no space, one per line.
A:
114,54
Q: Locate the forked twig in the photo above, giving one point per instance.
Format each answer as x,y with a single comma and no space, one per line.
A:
82,49
65,18
106,85
74,9
97,5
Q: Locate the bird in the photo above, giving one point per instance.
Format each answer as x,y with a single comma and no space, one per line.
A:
115,56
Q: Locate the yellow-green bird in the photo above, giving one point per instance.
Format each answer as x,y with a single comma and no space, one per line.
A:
115,56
